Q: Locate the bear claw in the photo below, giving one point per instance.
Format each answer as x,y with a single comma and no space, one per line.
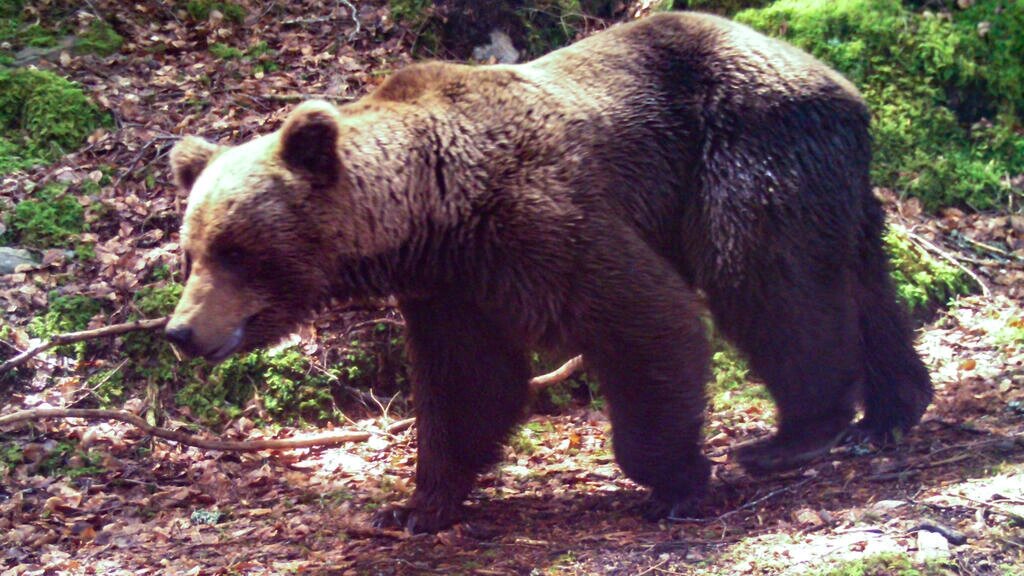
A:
414,520
772,455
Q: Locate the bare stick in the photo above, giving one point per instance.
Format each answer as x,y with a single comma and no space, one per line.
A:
191,440
72,337
931,247
355,18
562,373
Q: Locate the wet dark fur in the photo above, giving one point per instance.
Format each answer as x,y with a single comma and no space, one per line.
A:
578,202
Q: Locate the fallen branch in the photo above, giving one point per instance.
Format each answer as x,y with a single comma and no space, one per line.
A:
929,246
562,373
192,440
751,504
72,337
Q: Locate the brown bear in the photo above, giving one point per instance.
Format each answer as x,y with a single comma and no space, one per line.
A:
578,202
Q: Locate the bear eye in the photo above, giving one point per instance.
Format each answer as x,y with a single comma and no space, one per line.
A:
233,258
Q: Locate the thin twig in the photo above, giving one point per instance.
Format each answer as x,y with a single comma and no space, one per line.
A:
302,97
191,440
929,246
72,337
355,18
748,505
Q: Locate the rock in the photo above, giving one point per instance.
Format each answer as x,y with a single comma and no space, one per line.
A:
931,545
11,258
500,50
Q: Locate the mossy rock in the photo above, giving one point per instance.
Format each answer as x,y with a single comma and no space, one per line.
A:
42,116
946,97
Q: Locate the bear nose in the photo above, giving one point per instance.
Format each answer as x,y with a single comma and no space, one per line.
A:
180,336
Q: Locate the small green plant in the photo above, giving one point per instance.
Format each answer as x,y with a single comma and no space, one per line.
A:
200,10
225,52
923,282
100,38
61,462
48,218
891,564
730,386
66,314
10,456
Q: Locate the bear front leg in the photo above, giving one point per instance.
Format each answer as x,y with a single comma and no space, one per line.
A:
641,332
469,388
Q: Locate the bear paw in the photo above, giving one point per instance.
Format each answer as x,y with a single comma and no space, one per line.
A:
659,507
881,435
415,520
764,457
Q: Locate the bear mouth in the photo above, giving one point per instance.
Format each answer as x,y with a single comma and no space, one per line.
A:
232,344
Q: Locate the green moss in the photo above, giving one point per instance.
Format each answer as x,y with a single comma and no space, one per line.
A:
923,282
10,456
288,385
200,10
946,99
730,387
99,39
48,218
43,116
724,7
890,564
38,37
225,52
66,314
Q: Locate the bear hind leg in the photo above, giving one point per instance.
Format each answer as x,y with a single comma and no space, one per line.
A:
897,387
801,339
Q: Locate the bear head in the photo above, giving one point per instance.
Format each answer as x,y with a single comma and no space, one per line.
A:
253,249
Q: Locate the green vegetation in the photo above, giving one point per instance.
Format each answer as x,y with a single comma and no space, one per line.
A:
68,460
260,55
550,24
885,565
923,282
46,26
288,385
225,52
199,10
724,7
10,456
946,89
48,218
42,117
66,314
100,38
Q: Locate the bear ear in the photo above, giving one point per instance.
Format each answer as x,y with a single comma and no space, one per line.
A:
309,142
188,159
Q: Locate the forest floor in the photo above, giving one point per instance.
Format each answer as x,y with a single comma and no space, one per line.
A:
947,499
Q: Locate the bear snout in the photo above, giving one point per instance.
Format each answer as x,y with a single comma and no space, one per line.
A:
180,336
183,337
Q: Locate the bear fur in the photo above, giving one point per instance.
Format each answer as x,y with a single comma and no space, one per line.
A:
578,202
